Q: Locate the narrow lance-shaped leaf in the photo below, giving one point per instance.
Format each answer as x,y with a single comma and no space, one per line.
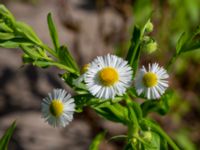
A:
6,137
5,28
188,42
134,50
6,36
44,64
6,14
66,59
14,43
135,47
24,30
96,142
182,40
114,112
32,52
53,32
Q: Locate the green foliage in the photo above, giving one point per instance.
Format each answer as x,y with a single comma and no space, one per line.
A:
53,32
153,143
142,133
25,31
186,43
6,137
160,106
134,51
155,128
14,34
184,140
114,112
96,142
67,59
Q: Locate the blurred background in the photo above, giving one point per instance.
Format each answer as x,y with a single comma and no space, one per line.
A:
90,28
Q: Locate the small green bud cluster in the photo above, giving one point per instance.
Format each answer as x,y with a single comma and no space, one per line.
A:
149,27
149,44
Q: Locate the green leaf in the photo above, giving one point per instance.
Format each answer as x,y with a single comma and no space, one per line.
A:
68,78
184,140
6,14
9,44
155,128
96,142
6,137
82,100
5,28
118,137
188,42
42,64
135,47
160,106
26,31
45,63
163,144
130,146
32,52
66,59
6,36
134,50
14,43
53,32
27,59
114,112
181,42
195,45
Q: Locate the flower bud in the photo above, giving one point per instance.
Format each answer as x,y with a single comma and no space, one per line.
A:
151,47
149,27
134,140
85,68
147,135
146,39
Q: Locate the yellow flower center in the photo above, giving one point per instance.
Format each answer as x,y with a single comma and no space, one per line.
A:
108,76
85,68
56,108
150,79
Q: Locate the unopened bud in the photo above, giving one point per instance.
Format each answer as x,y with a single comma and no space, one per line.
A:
151,47
85,68
134,140
147,135
149,27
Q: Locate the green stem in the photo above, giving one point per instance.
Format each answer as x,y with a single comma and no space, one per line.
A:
172,60
133,125
52,52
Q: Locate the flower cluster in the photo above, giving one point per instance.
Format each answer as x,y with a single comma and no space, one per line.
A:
106,77
110,75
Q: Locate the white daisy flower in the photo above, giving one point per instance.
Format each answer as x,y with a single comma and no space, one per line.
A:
58,108
108,76
152,82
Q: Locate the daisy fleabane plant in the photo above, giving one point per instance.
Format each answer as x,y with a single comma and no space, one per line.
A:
108,76
58,108
152,82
